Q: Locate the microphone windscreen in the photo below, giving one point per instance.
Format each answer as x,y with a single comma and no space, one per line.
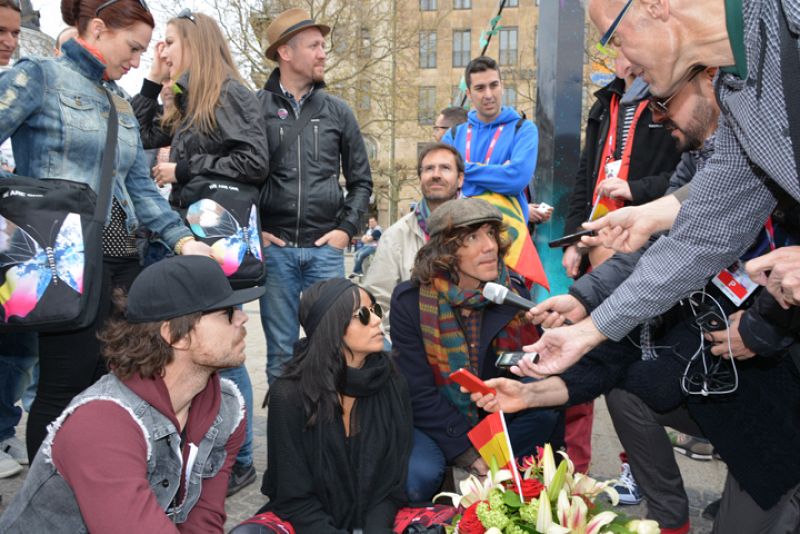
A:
495,292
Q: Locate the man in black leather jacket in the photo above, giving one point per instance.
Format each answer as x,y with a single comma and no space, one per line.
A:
307,221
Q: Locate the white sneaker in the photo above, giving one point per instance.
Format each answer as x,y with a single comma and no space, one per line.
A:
8,466
627,487
16,449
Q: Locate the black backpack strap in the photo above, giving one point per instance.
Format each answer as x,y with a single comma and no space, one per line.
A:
790,73
107,166
311,108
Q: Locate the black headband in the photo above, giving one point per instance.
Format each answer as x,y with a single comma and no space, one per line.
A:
293,27
330,293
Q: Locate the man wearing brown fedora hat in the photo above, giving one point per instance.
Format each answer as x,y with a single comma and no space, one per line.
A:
313,137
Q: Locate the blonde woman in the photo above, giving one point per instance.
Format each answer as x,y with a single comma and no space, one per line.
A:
214,129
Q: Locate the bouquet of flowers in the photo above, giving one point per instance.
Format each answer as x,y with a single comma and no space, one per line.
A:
545,499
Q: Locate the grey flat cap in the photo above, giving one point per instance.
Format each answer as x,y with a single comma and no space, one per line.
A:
462,212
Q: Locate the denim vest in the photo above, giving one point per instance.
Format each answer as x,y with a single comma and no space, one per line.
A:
56,113
47,504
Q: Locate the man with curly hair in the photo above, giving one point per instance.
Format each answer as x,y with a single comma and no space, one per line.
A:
149,447
441,323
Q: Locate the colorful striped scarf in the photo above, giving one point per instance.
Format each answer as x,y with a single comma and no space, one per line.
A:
445,342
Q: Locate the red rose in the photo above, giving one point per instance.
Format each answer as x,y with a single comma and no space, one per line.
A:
531,488
470,524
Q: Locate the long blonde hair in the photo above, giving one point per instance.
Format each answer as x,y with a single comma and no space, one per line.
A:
211,63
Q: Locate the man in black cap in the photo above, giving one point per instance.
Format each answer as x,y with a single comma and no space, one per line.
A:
152,443
441,323
313,138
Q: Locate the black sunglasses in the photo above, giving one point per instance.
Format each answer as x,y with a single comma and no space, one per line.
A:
229,311
104,5
187,14
365,312
660,106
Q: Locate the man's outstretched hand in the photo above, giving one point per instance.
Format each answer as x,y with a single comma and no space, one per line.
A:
560,348
628,229
779,271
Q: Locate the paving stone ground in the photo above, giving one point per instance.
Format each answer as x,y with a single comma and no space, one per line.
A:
703,480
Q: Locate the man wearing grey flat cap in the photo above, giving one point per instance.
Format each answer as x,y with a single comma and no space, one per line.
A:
441,323
313,138
150,446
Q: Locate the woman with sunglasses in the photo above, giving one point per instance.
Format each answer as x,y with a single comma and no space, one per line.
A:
339,427
58,124
215,128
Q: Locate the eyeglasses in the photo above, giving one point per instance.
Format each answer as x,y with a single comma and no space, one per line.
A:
110,3
602,46
437,127
187,14
660,106
364,313
229,311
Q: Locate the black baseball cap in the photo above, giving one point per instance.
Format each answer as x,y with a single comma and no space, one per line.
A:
182,285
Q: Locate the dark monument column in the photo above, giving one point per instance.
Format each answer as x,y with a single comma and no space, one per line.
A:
560,53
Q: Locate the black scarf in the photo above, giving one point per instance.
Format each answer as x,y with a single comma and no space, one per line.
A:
358,472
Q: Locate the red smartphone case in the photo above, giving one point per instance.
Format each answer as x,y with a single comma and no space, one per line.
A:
470,382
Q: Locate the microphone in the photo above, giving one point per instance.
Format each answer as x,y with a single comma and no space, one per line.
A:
501,295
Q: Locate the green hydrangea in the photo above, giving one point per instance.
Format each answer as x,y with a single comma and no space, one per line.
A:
491,517
514,529
496,501
528,511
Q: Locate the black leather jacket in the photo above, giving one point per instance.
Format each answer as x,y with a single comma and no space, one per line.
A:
302,199
236,149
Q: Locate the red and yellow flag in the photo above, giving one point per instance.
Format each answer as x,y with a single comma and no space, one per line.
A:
490,437
521,256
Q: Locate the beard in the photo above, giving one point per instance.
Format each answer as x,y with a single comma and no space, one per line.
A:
697,129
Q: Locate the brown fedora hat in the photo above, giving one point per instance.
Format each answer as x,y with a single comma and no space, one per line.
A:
287,24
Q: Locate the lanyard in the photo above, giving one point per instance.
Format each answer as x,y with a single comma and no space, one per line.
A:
608,152
491,145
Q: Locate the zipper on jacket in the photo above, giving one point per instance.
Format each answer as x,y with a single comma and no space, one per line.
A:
316,142
299,182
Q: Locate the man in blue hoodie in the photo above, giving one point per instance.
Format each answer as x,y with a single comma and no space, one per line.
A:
499,147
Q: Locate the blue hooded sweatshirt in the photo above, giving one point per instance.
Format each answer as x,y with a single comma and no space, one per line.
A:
513,160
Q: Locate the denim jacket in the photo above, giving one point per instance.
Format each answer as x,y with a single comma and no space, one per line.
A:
46,503
56,113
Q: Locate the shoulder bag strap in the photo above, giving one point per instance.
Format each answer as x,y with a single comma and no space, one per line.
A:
790,73
107,166
290,137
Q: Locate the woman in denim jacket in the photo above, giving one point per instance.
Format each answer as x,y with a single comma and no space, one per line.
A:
55,111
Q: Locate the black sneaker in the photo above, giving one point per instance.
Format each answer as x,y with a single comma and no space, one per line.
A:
241,476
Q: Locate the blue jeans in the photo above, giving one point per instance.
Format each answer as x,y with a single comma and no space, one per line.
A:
425,468
526,429
362,254
19,353
289,272
239,376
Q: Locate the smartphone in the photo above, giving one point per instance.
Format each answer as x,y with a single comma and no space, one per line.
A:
506,359
570,239
470,382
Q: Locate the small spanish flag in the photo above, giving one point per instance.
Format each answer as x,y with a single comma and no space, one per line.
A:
521,256
490,437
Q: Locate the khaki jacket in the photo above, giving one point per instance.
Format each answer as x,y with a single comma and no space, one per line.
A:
393,261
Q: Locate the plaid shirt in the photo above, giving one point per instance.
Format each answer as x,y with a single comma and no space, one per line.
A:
728,201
